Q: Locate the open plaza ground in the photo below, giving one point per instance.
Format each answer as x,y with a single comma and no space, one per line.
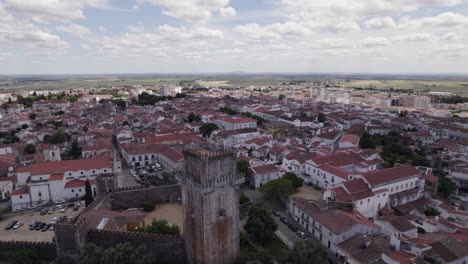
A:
27,217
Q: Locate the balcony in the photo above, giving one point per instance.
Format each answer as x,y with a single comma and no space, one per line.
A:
412,191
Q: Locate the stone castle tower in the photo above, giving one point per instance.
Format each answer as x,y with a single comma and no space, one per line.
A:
210,205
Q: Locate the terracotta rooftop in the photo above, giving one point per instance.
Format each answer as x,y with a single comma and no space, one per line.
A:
78,183
66,165
389,175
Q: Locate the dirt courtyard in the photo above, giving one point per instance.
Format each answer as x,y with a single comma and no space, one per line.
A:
171,212
308,193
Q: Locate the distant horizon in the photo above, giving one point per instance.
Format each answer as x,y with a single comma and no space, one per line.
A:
241,73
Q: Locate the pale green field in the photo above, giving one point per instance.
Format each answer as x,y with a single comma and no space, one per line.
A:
454,86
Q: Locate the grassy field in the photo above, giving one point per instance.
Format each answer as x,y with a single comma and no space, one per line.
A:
454,86
436,84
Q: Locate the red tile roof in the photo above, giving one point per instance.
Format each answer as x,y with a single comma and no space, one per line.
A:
353,139
22,191
78,183
66,165
390,175
264,169
56,177
235,119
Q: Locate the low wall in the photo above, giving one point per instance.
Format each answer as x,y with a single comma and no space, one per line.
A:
136,197
164,249
46,250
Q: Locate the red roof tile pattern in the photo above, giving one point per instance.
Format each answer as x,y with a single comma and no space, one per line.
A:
66,165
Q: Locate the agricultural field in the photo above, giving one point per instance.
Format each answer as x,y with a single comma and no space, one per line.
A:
453,86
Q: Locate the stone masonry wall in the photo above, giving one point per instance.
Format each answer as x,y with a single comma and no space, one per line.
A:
137,197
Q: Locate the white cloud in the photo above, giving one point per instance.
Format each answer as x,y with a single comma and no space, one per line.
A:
74,29
227,11
334,43
275,31
375,42
447,19
416,37
190,10
451,36
52,10
22,32
380,23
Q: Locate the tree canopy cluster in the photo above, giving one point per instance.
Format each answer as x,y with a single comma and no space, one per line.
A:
161,227
278,190
392,150
260,224
208,128
192,117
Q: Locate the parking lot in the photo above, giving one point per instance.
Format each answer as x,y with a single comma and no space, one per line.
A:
23,233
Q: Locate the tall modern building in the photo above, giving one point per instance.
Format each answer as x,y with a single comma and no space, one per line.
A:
210,205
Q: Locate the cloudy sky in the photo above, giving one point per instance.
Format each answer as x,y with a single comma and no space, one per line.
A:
181,36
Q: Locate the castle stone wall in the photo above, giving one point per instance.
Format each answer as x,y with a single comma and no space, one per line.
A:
137,197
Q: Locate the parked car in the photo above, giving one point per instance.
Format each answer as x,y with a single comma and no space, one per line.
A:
39,226
293,228
276,213
51,228
60,201
63,210
32,226
51,211
18,225
54,220
284,220
45,227
70,205
76,207
44,211
17,210
10,225
301,234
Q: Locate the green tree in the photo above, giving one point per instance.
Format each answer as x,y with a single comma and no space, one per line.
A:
88,194
243,199
294,179
181,95
260,224
262,257
303,252
192,117
161,227
207,129
123,253
91,254
432,212
446,186
367,142
148,206
30,149
122,104
277,190
32,116
75,149
26,256
281,96
321,117
24,126
243,167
